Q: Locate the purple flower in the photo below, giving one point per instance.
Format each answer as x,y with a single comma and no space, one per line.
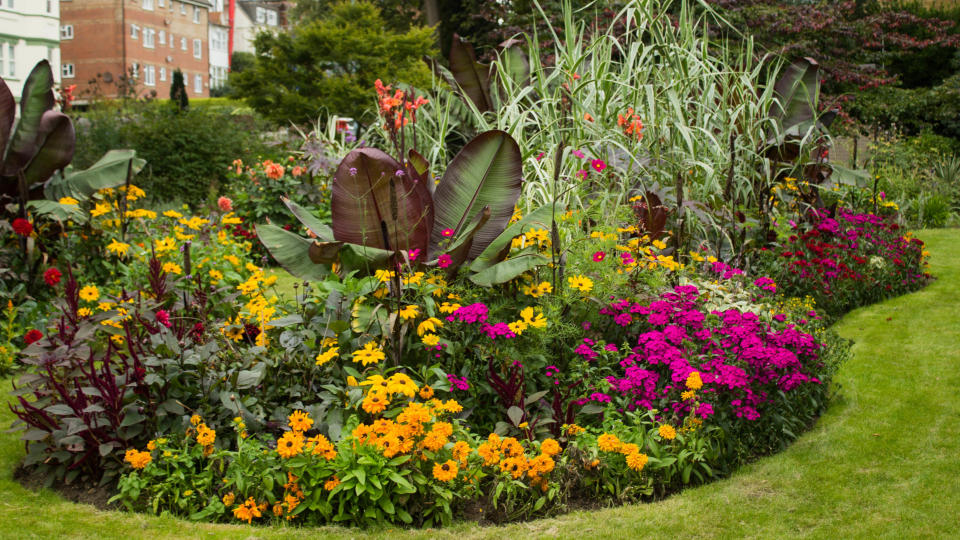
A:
578,153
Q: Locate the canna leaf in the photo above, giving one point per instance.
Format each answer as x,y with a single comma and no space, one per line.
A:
504,271
8,107
460,248
472,77
498,249
108,172
314,225
55,152
372,205
292,252
486,172
37,98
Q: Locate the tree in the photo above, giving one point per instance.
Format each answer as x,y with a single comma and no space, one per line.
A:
328,65
178,91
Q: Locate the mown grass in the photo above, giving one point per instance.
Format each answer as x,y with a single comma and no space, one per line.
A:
882,462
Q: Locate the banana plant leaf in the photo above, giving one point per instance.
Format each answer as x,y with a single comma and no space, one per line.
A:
37,98
472,77
314,225
498,249
56,150
376,203
8,108
486,172
108,172
56,211
419,166
350,256
292,251
504,271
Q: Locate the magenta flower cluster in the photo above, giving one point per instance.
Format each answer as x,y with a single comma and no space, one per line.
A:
742,360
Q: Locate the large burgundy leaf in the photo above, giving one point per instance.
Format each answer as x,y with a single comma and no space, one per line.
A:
472,76
37,99
55,150
486,172
8,107
372,205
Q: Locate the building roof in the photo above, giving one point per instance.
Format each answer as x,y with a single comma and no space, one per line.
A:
201,3
249,7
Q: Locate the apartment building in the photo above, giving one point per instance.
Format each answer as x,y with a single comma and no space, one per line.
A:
146,40
219,33
250,18
29,32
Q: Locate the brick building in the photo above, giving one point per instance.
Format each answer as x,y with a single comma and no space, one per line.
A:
102,40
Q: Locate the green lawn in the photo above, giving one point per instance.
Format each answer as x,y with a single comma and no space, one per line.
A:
884,460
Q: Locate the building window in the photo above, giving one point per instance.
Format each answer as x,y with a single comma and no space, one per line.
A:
261,15
183,43
148,5
134,31
272,18
172,41
66,71
6,3
183,8
160,3
198,84
11,60
163,37
196,15
135,71
163,74
149,76
49,6
218,76
217,5
148,37
66,31
197,51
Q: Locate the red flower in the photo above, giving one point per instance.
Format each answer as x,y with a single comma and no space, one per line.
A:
225,204
52,276
444,261
598,256
22,227
447,233
598,165
32,336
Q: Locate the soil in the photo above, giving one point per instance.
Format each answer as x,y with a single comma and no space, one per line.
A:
78,493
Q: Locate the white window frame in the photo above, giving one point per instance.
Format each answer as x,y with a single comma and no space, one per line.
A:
49,6
183,43
197,49
261,15
162,38
196,15
198,84
183,8
149,75
163,74
66,32
11,59
148,5
135,71
173,41
134,31
149,38
272,19
67,71
160,3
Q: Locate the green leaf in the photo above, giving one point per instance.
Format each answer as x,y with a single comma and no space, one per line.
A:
314,225
361,476
59,409
386,505
498,249
504,271
404,516
292,252
515,414
486,172
460,248
56,211
108,172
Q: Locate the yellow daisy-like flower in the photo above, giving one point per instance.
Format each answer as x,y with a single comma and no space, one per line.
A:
430,340
667,432
608,442
445,472
528,317
408,312
517,327
290,444
90,293
84,312
101,209
205,435
332,483
581,283
165,245
69,201
172,268
369,354
299,421
173,214
538,290
550,447
429,325
327,355
637,461
135,193
118,247
694,382
215,276
447,307
689,394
